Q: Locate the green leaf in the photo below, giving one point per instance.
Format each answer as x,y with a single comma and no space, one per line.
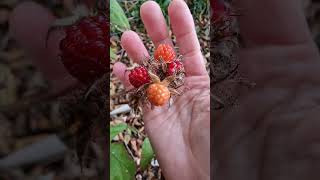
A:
133,129
115,130
113,55
147,153
122,166
117,16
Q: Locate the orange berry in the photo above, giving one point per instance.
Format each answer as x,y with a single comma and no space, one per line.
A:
158,94
165,52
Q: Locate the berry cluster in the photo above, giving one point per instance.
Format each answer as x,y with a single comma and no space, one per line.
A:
154,79
85,47
84,50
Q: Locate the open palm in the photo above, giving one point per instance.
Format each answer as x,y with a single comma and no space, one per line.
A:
274,132
180,134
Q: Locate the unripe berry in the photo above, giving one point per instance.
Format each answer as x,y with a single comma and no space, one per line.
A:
165,53
158,94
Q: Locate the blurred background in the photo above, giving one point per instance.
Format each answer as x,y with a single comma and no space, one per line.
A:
43,136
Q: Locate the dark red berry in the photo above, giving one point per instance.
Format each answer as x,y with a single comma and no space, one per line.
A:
84,50
139,76
174,67
218,9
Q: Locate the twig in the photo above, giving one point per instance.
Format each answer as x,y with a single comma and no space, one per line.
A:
128,149
122,109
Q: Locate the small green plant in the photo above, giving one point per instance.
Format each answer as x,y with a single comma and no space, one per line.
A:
147,154
119,23
122,166
119,20
199,7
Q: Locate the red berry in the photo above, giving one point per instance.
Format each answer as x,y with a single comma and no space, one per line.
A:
218,6
219,10
139,76
84,50
174,67
165,52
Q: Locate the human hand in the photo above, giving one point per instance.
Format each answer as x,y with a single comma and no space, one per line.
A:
180,135
273,132
29,25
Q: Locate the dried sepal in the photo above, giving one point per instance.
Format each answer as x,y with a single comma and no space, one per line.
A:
174,92
154,77
170,101
178,80
132,67
167,81
164,67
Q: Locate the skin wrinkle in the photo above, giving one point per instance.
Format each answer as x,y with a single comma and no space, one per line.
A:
313,152
299,91
265,146
193,153
189,64
196,119
296,53
292,159
199,84
279,76
275,22
192,54
163,123
165,40
273,107
263,156
186,104
187,52
269,62
289,102
308,153
239,110
247,134
257,124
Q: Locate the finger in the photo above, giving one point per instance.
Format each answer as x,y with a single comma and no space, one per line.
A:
119,70
183,27
134,46
155,23
29,24
272,22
